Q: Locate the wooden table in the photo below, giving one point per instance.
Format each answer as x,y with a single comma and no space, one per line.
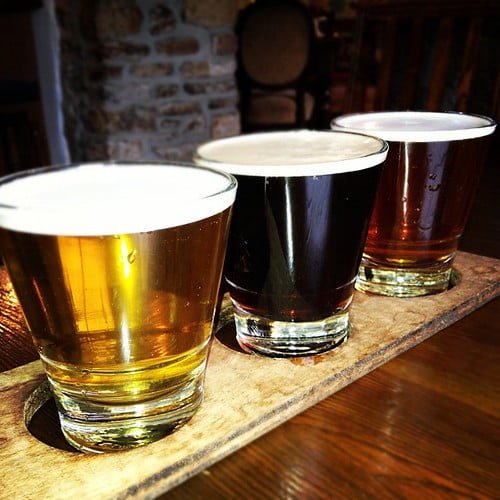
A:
424,425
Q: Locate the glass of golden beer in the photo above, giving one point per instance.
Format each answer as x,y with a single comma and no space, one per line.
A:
426,192
117,269
299,225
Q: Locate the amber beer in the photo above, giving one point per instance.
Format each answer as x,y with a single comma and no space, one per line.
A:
426,192
298,229
117,269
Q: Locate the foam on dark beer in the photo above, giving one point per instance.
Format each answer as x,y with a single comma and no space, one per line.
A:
293,153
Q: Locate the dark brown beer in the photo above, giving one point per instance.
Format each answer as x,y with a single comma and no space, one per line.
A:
299,225
296,242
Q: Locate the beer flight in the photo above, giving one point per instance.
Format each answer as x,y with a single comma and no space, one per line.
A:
118,266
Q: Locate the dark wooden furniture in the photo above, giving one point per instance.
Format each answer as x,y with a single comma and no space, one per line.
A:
275,39
421,54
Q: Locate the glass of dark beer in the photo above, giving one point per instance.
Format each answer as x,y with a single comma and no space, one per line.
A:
298,229
117,269
426,192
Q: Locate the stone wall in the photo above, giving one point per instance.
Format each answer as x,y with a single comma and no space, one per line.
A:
146,79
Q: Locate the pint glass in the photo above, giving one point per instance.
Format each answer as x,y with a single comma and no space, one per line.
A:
426,192
117,269
299,225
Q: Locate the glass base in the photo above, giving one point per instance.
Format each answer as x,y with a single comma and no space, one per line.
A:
281,339
399,282
100,427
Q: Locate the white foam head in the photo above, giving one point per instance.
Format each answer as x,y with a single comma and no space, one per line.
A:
417,126
292,153
100,199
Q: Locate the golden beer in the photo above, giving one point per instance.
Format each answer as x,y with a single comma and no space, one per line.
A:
122,320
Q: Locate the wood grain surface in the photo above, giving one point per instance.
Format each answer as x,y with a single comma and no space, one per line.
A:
246,396
422,426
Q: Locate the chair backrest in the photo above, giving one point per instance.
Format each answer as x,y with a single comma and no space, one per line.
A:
417,54
275,38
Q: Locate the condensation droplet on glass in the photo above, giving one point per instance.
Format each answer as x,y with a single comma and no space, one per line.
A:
434,188
432,177
132,256
116,236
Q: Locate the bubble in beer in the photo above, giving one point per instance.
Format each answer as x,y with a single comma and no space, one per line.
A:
132,256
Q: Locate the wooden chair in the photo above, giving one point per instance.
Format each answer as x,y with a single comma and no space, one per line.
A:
417,54
275,39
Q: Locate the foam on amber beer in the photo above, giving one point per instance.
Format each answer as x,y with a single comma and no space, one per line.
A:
417,126
124,199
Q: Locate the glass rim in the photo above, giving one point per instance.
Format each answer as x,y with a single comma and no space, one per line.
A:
361,162
21,218
442,134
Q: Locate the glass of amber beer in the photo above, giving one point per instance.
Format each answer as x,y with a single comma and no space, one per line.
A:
299,225
117,269
426,192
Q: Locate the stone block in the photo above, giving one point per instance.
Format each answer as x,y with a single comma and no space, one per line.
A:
223,102
114,149
182,152
148,70
117,18
169,128
210,87
210,13
102,120
195,68
204,68
189,126
166,90
224,44
180,108
225,126
143,119
223,69
98,149
161,20
178,46
132,92
125,149
195,125
116,49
